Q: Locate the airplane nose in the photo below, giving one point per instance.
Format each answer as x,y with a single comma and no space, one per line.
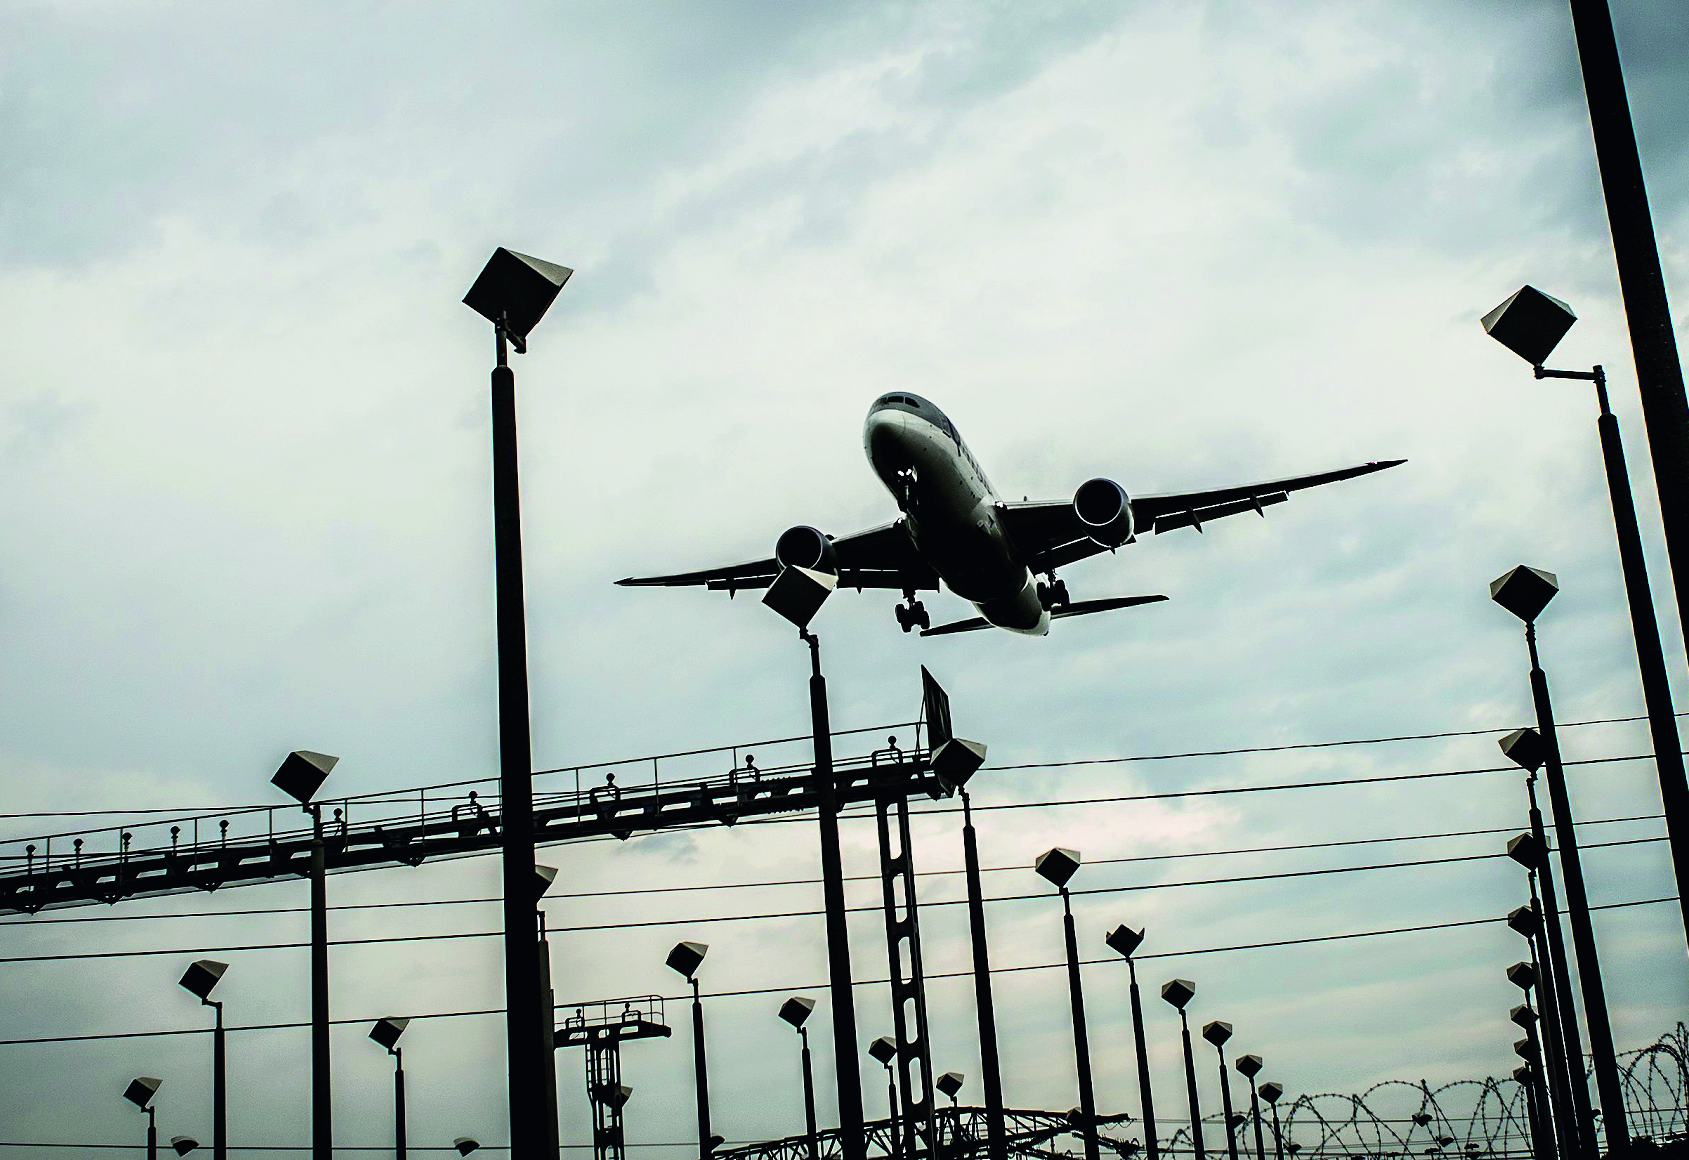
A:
884,440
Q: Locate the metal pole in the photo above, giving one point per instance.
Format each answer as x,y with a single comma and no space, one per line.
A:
892,1120
1650,657
701,1070
1538,1090
548,1043
809,1099
1081,1041
1558,1112
1226,1103
1278,1136
1255,1114
851,1141
219,1091
1533,1110
528,1135
1571,1039
997,1142
1577,906
152,1135
1190,1089
322,1107
1659,375
1152,1150
398,1105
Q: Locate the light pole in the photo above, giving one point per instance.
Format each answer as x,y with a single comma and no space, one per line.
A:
300,776
1217,1033
685,959
198,979
140,1093
1525,1076
796,1011
1559,1113
950,1083
544,876
1124,941
797,594
1179,992
513,292
884,1050
1249,1066
1527,1050
386,1032
1056,866
1522,975
1525,592
1530,324
1271,1092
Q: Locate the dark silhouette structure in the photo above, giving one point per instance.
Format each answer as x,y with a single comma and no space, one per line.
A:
386,1033
1057,867
601,1028
198,980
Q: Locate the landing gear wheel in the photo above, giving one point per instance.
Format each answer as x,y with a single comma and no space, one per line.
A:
903,619
912,614
1058,595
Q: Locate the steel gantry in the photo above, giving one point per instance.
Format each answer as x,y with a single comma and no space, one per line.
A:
601,1028
961,1134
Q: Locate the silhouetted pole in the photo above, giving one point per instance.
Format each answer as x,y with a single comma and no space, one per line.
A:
322,1092
152,1135
1081,1041
1659,375
219,1091
1217,1033
851,1141
701,1071
398,1104
1178,992
809,1099
997,1142
1559,1113
1152,1150
1525,1076
1250,1067
1271,1092
1526,1020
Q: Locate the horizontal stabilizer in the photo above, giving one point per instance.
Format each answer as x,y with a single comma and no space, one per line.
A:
1077,608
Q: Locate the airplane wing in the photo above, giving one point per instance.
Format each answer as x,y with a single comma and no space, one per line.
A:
882,557
1049,535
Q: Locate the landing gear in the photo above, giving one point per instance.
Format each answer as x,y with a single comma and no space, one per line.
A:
1054,594
912,614
906,480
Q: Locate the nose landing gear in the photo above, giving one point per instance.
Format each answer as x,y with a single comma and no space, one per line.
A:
912,614
1054,594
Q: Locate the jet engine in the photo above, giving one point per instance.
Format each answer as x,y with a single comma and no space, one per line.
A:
805,547
1105,509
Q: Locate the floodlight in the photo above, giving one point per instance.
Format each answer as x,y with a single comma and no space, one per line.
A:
1524,591
544,876
1525,850
1525,1050
1524,748
183,1144
513,291
1123,940
1057,865
1530,324
1248,1065
798,593
465,1145
883,1049
201,977
302,773
1217,1032
1522,975
1271,1091
141,1091
387,1031
949,1083
797,1009
1235,1121
1522,1016
614,1095
1422,1118
1444,1141
956,760
1523,920
1522,1073
685,958
1178,992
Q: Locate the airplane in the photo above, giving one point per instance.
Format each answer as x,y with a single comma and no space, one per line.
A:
954,529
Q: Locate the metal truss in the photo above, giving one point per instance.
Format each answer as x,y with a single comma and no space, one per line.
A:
601,1028
961,1134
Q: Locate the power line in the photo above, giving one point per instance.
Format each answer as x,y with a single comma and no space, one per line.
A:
768,915
793,987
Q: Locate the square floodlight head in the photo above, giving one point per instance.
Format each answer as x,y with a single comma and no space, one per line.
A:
883,1049
1178,992
1057,865
615,1095
957,760
1123,940
1235,1121
183,1144
1524,591
465,1145
1530,324
514,291
1249,1066
797,1009
141,1091
1271,1091
1444,1141
1524,748
1523,1049
1522,975
1522,1073
1525,850
798,593
301,774
1523,921
1523,1016
1217,1032
1422,1118
387,1031
200,977
686,957
544,876
950,1083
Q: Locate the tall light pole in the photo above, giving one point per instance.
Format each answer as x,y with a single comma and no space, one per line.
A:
797,594
386,1032
1271,1092
1123,940
1558,1114
544,876
1530,324
1056,866
1217,1033
1249,1066
140,1093
1525,1075
198,980
685,959
513,292
1525,592
884,1051
1178,993
796,1011
300,776
1524,976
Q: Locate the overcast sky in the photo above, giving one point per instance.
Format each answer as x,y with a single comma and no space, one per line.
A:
244,496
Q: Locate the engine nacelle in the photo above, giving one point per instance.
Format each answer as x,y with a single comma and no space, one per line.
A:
805,547
1106,511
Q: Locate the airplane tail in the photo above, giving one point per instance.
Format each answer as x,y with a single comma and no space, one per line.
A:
1077,608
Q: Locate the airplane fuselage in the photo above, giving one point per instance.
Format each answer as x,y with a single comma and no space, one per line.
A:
950,510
